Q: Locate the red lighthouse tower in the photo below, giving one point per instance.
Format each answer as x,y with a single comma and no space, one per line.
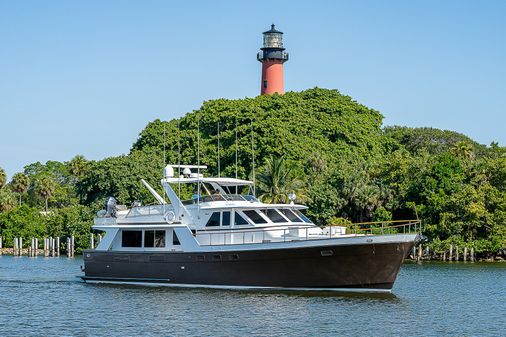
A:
272,56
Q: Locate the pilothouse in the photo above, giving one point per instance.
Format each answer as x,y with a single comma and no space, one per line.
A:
213,232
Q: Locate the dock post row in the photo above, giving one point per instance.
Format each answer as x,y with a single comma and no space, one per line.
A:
51,247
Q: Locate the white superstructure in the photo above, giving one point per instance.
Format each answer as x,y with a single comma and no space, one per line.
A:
221,212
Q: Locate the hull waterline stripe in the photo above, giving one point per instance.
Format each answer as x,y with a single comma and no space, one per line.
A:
206,286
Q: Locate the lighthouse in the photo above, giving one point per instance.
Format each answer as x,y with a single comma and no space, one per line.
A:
272,56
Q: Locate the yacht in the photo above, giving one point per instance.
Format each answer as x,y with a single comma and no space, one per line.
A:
222,236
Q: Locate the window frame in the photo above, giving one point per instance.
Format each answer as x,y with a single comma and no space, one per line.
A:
156,232
259,213
123,231
283,218
243,217
298,219
211,217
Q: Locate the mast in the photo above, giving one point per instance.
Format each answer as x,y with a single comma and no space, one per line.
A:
253,157
179,158
219,163
198,164
236,145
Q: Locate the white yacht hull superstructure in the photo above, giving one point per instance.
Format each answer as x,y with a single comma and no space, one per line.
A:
225,240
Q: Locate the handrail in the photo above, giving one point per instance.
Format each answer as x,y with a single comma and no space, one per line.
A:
253,229
147,210
408,226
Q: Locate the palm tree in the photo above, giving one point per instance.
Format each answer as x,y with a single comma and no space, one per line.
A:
276,180
463,150
7,200
45,187
78,166
20,184
3,177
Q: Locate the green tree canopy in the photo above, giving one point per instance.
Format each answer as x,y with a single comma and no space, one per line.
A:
45,187
277,179
3,177
20,184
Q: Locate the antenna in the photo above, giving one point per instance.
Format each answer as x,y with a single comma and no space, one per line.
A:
163,168
198,163
236,152
236,147
179,158
253,157
164,138
219,163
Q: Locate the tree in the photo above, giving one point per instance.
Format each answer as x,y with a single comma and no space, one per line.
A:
7,200
463,150
3,177
20,184
78,166
45,188
277,179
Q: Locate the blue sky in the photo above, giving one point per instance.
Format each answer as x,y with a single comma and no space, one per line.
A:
85,77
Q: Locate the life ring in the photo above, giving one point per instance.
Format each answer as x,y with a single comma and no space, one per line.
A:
169,217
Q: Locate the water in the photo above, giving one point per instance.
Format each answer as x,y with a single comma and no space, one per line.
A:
42,296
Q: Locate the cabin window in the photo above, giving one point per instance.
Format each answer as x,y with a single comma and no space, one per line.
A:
131,238
265,84
225,219
214,220
255,216
239,220
302,216
175,239
290,215
154,239
274,215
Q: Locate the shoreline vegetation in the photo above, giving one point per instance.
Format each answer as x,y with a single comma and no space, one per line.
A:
333,152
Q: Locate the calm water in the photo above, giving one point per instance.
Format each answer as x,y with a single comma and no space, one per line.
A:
42,296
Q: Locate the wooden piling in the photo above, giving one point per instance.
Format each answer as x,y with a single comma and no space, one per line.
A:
46,250
57,246
451,253
68,247
20,246
72,245
15,247
36,246
444,256
413,253
465,253
419,252
427,251
1,245
52,247
456,253
472,254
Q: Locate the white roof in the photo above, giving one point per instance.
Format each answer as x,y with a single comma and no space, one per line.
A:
250,205
219,181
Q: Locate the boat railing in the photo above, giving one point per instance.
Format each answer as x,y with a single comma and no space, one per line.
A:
285,233
220,197
147,210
